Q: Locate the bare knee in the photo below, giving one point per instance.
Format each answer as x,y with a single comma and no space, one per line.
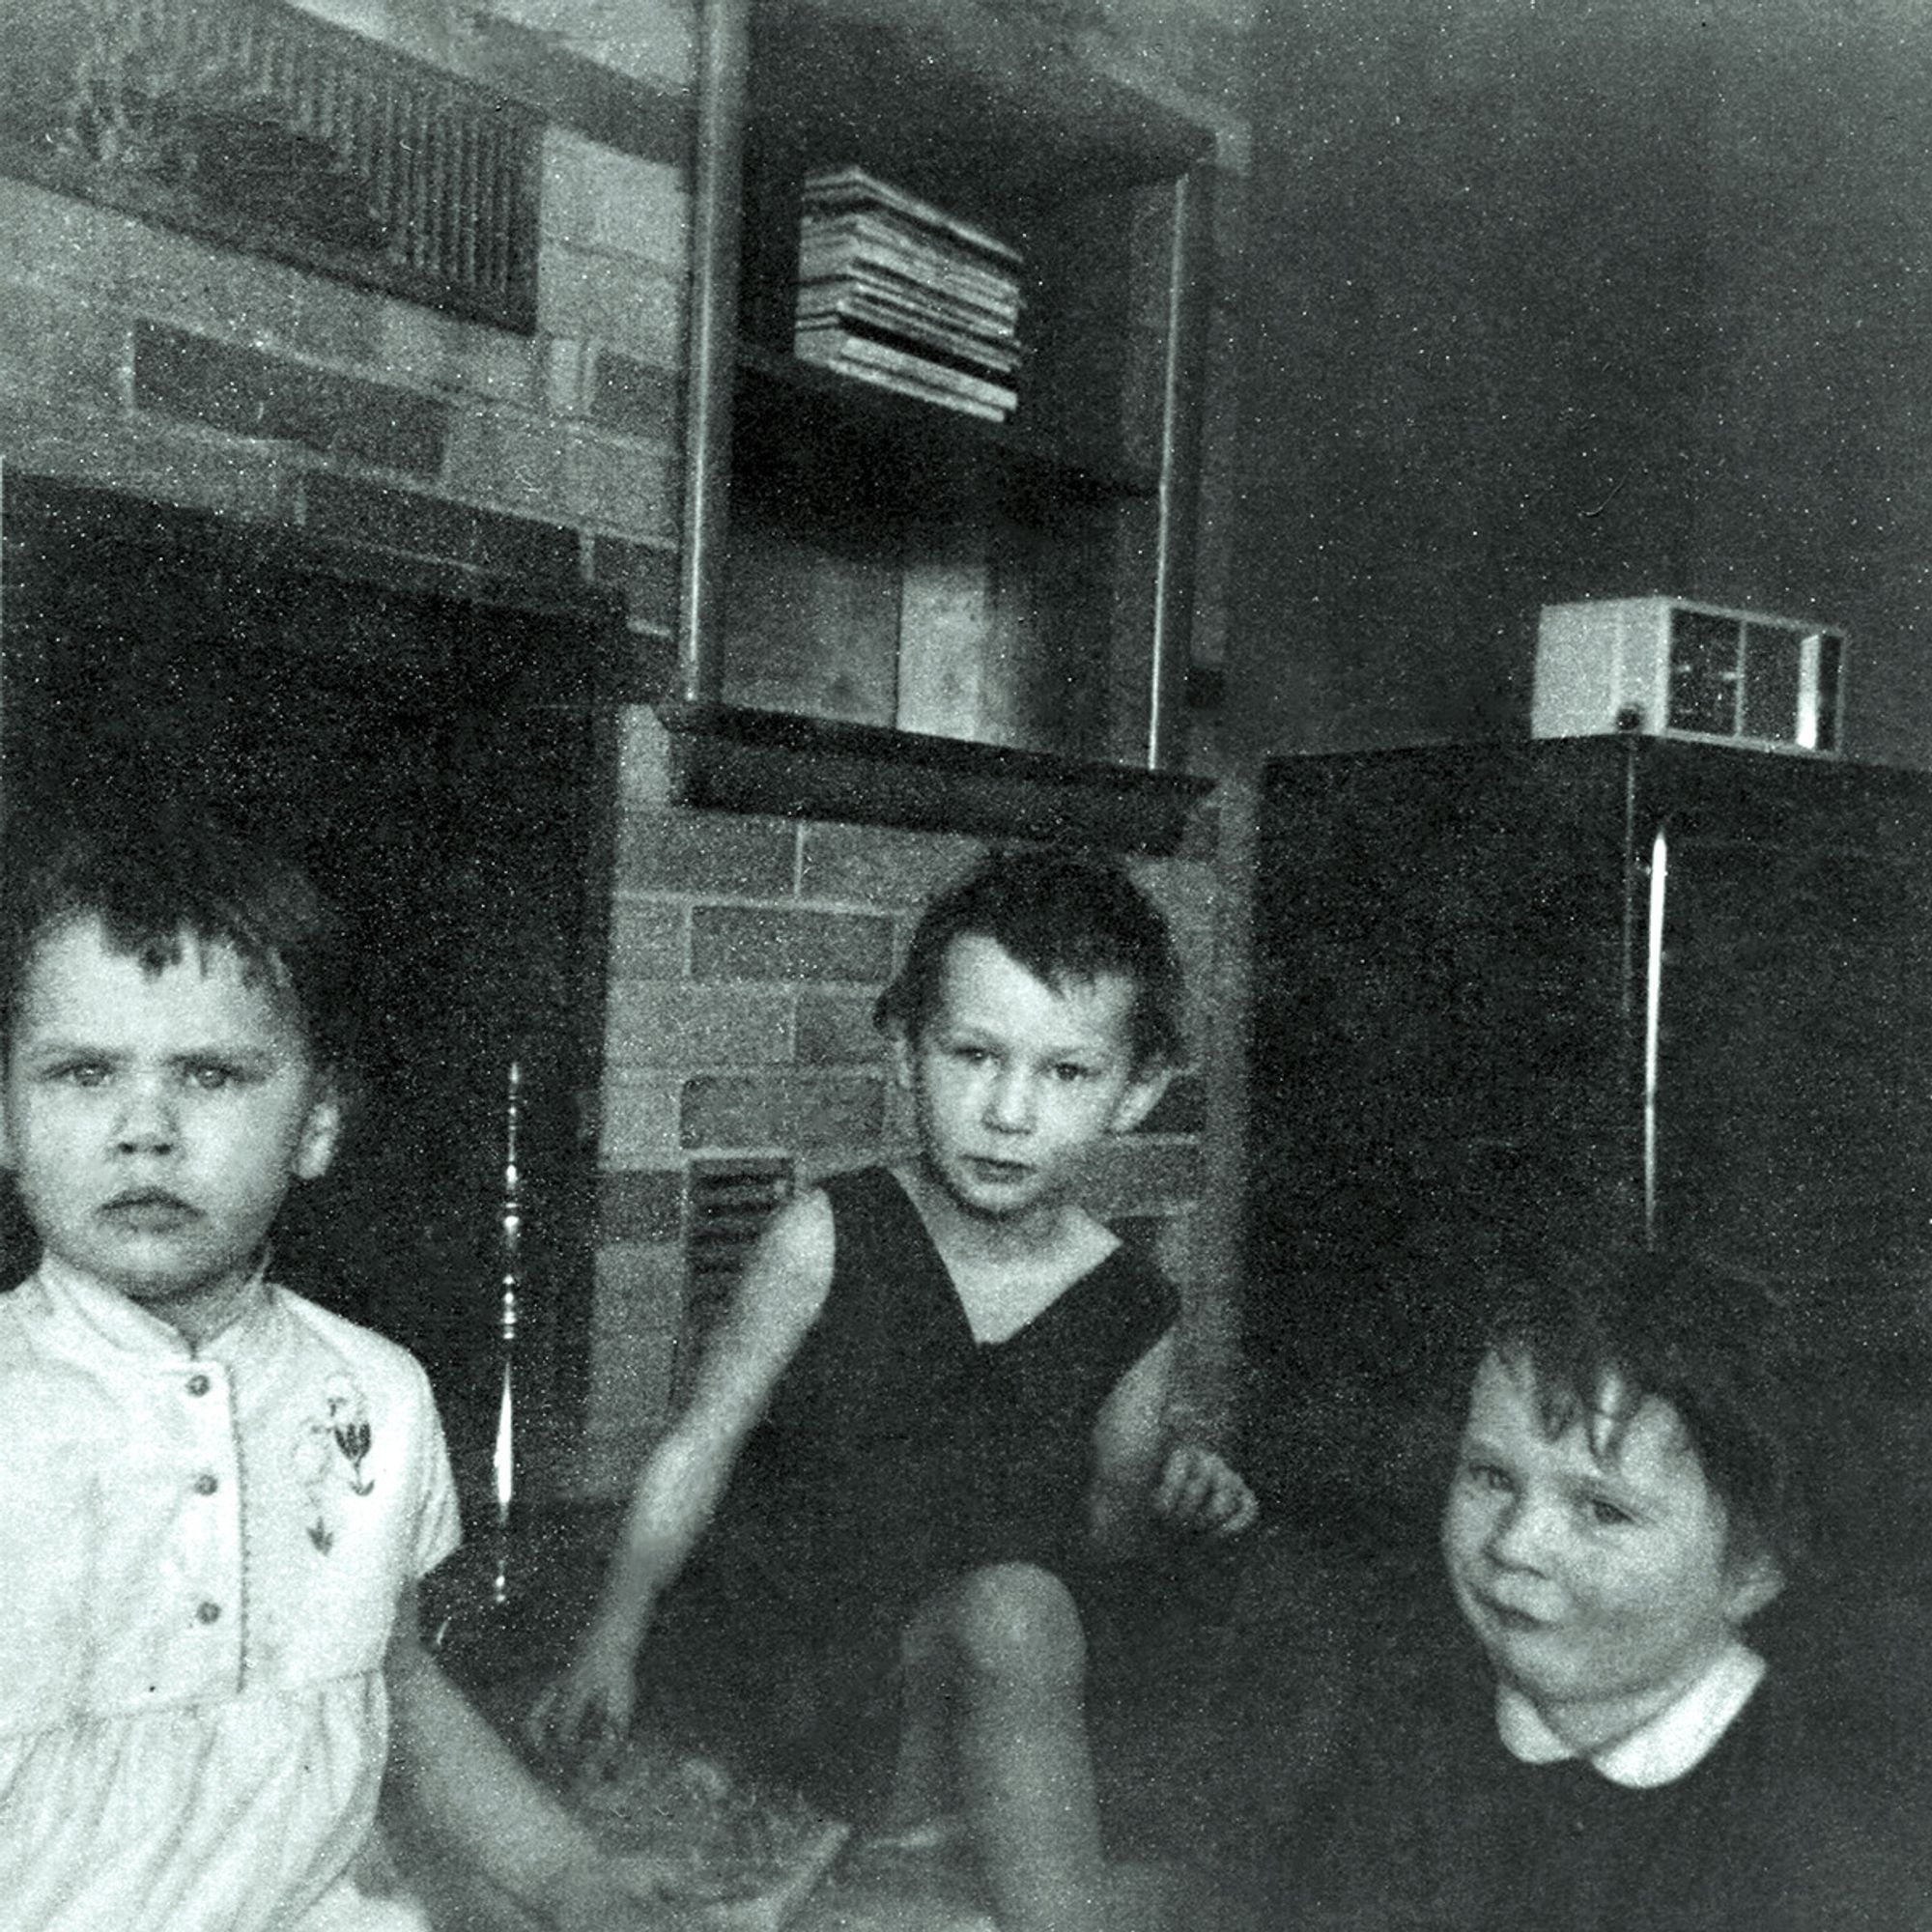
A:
1013,1622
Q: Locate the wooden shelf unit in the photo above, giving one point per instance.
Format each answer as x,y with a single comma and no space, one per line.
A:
873,560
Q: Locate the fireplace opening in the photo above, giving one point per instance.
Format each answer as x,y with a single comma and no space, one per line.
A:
431,743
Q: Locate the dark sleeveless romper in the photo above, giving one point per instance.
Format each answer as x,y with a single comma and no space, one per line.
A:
897,1453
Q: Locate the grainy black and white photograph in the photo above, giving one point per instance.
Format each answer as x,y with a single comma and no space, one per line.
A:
966,965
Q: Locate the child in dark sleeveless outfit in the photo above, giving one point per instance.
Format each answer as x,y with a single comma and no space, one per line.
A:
940,1392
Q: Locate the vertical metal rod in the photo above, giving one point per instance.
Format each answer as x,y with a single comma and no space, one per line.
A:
9,665
1190,239
711,326
1626,1010
1160,646
1652,1011
505,1460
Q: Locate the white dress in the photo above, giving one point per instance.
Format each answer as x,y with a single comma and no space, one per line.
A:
201,1554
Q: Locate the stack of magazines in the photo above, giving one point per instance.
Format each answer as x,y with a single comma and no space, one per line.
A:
895,291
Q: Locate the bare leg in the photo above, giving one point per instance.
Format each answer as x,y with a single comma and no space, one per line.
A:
922,1789
1011,1636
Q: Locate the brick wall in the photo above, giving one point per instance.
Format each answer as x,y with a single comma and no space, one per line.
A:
745,952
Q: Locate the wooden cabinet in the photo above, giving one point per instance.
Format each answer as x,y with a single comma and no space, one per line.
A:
896,580
1583,988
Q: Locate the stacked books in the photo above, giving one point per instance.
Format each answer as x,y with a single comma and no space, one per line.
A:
895,290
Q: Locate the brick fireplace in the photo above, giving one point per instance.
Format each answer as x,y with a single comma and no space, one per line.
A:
478,485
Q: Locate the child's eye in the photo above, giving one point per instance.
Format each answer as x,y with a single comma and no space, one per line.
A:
1067,1071
211,1077
1606,1513
972,1056
1488,1476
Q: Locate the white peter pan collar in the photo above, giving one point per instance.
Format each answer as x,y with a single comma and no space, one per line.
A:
1665,1748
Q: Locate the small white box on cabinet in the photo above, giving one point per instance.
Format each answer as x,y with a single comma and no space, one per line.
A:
1679,669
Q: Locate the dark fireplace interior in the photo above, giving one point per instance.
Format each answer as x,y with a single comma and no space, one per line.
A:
427,741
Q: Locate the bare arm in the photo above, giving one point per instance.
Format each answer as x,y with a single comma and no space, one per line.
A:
1141,1472
778,1298
1129,1442
461,1782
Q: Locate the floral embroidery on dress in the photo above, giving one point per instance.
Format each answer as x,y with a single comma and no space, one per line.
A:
329,1452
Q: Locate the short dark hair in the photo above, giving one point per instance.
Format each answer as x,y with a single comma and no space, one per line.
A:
1711,1342
1062,916
172,878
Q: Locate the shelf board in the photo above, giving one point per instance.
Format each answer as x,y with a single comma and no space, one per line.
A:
731,759
934,88
932,451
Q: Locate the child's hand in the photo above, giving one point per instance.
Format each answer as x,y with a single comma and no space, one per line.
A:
1200,1491
584,1717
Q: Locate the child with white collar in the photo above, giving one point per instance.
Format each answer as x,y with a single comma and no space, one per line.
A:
1626,1498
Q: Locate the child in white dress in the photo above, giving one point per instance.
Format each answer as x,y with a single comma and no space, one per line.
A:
216,1498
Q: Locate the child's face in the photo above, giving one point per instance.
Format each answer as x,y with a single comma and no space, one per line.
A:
1014,1082
153,1123
1601,1585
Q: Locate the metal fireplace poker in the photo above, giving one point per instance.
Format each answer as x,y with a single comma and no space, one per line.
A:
504,1458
